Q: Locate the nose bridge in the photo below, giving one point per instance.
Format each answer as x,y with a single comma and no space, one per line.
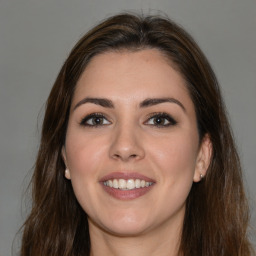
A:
126,143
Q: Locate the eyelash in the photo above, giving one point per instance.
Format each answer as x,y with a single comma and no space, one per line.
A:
91,117
162,115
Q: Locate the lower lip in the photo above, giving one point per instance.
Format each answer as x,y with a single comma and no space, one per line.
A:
127,194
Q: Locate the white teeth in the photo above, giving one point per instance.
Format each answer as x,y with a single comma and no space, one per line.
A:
127,184
115,183
122,184
137,183
130,184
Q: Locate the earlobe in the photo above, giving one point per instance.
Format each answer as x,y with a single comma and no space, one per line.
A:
67,172
203,158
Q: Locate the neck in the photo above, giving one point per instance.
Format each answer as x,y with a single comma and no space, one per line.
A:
162,241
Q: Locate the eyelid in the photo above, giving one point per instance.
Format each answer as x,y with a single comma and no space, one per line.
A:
93,115
165,115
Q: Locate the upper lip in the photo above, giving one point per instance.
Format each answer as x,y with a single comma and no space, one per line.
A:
125,176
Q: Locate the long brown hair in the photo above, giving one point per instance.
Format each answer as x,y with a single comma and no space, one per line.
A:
216,217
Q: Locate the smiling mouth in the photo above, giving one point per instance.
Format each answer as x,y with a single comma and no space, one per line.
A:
126,185
129,184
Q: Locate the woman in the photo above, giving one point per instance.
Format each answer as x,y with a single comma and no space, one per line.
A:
136,154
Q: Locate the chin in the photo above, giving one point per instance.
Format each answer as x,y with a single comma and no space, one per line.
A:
126,230
124,224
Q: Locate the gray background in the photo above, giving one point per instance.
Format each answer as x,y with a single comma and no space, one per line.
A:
35,38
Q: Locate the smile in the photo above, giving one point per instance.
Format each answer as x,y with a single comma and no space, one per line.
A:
129,184
126,185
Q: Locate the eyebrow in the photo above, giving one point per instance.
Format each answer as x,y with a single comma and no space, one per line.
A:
98,101
145,103
155,101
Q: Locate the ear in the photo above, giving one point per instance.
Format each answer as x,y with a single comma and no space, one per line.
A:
64,157
203,158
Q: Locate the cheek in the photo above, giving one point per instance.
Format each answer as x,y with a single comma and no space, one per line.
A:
176,157
83,153
176,150
175,161
84,160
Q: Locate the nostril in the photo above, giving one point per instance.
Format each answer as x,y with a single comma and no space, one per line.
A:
132,156
116,156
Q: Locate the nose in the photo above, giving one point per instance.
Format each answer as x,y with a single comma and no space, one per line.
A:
126,145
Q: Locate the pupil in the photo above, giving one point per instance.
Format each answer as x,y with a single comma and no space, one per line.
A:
97,120
158,120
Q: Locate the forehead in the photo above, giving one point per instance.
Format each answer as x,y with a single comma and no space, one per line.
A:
127,75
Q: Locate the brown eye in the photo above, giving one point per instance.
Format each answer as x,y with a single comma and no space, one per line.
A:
161,120
94,120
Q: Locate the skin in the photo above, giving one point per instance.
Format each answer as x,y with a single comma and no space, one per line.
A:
128,140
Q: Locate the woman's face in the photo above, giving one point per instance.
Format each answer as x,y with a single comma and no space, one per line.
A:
132,146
